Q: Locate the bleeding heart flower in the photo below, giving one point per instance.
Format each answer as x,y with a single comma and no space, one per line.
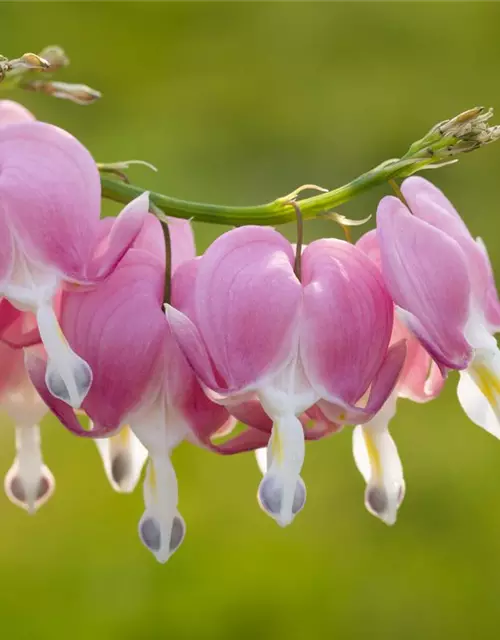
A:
51,235
142,382
257,335
374,449
442,283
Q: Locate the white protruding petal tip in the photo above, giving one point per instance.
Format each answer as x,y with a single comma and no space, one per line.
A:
123,457
377,459
29,493
161,528
479,395
282,492
153,537
383,504
68,377
270,498
261,458
73,387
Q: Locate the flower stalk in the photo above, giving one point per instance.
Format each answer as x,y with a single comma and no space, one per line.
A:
440,146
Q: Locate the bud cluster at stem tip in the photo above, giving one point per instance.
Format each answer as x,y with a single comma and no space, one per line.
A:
461,134
24,72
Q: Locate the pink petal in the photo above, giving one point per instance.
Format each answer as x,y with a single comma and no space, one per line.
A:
368,243
6,247
427,276
251,413
191,343
185,396
64,413
22,340
247,440
13,113
151,238
491,303
184,288
386,379
421,380
317,425
248,303
123,232
182,239
12,370
119,329
8,316
382,386
347,320
428,203
416,187
49,196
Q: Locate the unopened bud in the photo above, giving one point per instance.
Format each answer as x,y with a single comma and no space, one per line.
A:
55,56
30,61
78,93
18,66
465,132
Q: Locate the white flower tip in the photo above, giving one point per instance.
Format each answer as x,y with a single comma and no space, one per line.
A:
479,394
29,493
154,537
120,473
261,459
271,500
384,504
73,387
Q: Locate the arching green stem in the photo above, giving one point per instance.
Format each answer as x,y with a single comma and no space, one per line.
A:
441,145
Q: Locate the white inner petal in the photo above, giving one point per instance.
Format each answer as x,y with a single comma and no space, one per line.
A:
479,386
282,491
161,527
261,458
32,287
285,395
29,483
123,457
68,377
377,459
160,428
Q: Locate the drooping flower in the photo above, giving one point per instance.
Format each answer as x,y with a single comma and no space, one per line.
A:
28,483
141,378
261,340
442,283
51,236
374,449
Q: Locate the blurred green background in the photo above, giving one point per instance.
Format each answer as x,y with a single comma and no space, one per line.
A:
240,103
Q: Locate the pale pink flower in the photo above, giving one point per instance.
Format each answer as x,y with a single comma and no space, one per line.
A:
51,236
442,283
141,379
256,335
374,449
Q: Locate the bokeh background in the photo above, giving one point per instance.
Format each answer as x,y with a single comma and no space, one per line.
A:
240,103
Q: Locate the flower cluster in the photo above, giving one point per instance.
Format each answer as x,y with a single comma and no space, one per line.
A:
291,354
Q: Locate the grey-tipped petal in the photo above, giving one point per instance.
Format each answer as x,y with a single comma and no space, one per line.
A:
177,534
121,467
150,533
377,500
